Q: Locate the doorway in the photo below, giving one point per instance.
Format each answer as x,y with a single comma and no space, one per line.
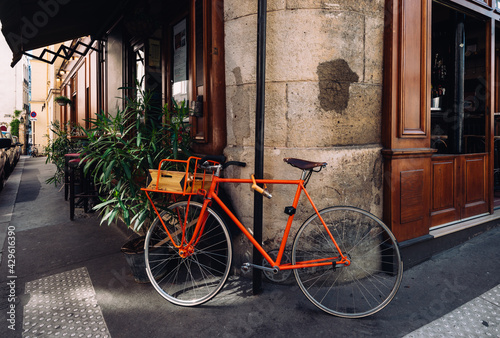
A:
460,183
496,127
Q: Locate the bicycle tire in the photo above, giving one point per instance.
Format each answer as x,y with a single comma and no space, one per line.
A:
198,277
375,272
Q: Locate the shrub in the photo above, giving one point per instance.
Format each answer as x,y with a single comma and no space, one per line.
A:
122,148
66,140
14,124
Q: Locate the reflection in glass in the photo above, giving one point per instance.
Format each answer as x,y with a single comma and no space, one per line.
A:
458,79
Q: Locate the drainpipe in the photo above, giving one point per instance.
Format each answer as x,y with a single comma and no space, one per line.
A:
259,138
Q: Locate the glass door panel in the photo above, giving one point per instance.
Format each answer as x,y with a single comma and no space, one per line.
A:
458,92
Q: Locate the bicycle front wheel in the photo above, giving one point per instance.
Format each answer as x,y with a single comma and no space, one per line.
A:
373,277
196,276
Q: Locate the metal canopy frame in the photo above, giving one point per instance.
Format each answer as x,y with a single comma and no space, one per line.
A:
28,25
64,52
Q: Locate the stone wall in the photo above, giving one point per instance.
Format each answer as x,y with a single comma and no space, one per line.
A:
323,102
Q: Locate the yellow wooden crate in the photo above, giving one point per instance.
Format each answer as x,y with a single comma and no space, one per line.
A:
173,181
169,180
201,182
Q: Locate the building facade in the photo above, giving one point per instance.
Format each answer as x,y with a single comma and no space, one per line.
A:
323,91
45,88
440,116
16,84
400,97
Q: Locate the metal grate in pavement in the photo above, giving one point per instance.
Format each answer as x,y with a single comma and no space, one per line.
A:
63,305
478,318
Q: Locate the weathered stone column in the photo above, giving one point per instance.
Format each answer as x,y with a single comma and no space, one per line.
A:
323,102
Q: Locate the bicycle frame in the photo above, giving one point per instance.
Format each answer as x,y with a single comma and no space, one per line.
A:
186,247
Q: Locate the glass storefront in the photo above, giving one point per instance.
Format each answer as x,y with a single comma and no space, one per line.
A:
458,82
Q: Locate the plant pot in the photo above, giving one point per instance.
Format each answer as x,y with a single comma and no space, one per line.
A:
134,254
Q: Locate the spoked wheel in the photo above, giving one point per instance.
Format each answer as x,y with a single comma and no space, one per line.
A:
196,274
373,277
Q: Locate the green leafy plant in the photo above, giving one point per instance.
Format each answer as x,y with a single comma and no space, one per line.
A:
67,139
14,124
62,100
123,147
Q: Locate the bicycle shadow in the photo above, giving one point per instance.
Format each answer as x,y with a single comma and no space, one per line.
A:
239,288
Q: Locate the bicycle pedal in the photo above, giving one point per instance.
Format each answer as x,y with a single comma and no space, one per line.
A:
245,268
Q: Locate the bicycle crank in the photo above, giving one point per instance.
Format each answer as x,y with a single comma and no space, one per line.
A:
282,275
247,266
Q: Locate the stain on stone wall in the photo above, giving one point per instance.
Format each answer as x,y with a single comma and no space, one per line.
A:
335,77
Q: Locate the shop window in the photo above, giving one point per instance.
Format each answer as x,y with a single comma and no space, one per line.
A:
194,70
200,27
496,112
458,91
190,52
180,62
140,68
74,98
144,74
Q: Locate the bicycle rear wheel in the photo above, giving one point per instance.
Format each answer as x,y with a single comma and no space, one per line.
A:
197,277
365,286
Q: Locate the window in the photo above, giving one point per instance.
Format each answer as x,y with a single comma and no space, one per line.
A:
180,62
195,70
140,68
458,82
189,66
74,98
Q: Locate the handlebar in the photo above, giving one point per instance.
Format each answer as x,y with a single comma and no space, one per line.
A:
221,160
214,158
236,163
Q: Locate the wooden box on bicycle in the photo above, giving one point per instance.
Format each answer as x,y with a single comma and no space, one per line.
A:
184,182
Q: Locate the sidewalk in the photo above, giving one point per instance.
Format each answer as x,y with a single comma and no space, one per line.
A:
70,278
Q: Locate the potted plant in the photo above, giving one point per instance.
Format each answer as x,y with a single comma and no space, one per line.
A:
120,151
62,100
66,140
122,148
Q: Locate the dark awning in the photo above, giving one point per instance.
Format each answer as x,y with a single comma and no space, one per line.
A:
31,24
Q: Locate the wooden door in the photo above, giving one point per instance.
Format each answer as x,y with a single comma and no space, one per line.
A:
475,188
459,187
445,191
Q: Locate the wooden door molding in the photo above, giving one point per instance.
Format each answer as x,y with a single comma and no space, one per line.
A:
406,100
210,129
413,67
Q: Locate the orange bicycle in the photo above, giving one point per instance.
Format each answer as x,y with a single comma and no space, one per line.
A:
345,260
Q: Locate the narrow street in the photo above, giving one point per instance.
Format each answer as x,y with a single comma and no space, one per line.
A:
60,277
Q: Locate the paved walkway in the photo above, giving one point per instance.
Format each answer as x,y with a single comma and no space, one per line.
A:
478,318
70,279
